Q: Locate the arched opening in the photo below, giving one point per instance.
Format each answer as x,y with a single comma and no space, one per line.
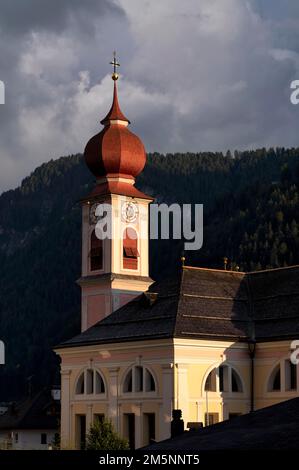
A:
228,380
128,382
96,252
290,375
99,384
80,385
210,385
224,378
236,382
90,382
130,249
149,384
274,384
139,379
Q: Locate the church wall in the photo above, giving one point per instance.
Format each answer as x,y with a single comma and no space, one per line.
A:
95,302
100,295
140,226
180,368
99,300
113,362
269,355
194,360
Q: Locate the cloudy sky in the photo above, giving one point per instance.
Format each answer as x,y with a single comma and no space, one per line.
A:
195,75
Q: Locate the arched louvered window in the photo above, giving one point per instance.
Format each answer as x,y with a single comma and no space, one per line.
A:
290,375
210,385
80,387
139,379
130,249
228,380
96,252
274,384
90,382
128,382
236,382
99,384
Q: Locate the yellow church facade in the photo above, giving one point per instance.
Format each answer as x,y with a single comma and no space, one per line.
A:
211,343
180,369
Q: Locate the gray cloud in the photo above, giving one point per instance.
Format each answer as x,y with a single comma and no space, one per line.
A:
19,17
208,75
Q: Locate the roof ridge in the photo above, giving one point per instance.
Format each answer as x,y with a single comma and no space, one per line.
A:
214,269
214,297
294,266
180,299
161,317
242,272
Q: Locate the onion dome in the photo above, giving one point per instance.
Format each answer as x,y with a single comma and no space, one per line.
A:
115,151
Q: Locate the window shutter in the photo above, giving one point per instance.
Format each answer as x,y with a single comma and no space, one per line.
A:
130,250
96,252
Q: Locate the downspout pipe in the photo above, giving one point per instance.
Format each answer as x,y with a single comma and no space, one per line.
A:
251,350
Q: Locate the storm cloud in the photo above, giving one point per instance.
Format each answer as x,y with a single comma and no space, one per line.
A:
195,75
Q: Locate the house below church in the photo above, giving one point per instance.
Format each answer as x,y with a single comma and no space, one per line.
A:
32,423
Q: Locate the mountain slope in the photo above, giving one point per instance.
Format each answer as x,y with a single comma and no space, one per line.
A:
250,214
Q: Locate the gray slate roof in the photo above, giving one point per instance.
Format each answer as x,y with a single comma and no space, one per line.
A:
206,303
273,428
37,412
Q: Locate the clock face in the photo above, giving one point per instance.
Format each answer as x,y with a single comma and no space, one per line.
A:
129,212
92,214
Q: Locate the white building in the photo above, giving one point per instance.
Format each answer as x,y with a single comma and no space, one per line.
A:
31,423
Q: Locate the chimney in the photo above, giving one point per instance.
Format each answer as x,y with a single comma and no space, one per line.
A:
177,424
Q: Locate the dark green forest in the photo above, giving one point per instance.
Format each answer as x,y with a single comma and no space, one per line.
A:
251,215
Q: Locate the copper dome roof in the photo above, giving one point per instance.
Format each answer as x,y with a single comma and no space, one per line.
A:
115,150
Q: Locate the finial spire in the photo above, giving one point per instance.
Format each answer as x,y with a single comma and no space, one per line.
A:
115,64
115,113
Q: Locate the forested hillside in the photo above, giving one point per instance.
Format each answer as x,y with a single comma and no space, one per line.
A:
251,215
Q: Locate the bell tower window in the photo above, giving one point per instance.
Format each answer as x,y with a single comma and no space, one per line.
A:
96,252
130,249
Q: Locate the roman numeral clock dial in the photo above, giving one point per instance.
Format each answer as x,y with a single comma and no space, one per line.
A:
129,212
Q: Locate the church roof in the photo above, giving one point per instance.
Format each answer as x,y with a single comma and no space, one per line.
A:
206,303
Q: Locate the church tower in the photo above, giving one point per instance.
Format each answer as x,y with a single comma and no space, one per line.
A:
115,268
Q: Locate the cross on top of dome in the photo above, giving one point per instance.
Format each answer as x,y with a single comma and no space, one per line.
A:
115,150
115,65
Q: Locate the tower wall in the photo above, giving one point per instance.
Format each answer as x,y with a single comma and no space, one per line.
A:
107,289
